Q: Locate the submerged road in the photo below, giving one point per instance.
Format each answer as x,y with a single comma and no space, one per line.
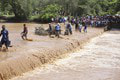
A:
98,60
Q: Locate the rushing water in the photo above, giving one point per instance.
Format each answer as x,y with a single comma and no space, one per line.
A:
98,60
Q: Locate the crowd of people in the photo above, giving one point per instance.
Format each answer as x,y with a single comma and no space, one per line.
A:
80,24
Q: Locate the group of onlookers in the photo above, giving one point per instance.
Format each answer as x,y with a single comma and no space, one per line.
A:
56,30
80,24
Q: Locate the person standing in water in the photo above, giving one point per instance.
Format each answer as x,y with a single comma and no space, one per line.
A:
50,29
80,27
85,28
24,33
5,38
69,26
68,29
57,30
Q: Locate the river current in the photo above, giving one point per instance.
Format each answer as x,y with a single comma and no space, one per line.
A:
98,60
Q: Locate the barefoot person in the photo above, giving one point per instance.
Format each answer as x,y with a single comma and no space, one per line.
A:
24,33
5,38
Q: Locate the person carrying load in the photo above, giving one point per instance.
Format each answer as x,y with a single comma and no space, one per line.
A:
5,38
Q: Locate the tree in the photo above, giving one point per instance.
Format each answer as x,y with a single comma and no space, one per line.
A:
21,8
50,11
24,9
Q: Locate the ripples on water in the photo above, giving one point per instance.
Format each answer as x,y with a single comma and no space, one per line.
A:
98,60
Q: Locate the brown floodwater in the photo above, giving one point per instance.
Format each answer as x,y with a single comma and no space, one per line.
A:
20,47
98,60
25,56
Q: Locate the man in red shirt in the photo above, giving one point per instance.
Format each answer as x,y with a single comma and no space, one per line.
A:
24,33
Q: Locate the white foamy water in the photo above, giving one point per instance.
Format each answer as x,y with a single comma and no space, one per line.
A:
98,60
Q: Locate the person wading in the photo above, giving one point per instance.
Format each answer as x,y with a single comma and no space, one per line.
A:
80,27
85,28
24,33
68,29
57,30
50,29
5,38
77,25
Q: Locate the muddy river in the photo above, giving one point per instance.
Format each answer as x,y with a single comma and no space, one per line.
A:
98,60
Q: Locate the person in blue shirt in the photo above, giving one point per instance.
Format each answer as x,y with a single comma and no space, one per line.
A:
5,38
57,30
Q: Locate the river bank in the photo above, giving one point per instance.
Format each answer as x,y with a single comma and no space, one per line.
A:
27,55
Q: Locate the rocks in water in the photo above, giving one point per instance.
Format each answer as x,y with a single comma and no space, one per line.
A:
41,31
107,28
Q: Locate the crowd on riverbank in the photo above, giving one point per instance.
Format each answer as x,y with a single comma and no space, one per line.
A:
94,21
81,23
71,23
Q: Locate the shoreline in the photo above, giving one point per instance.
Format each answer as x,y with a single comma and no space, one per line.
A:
49,51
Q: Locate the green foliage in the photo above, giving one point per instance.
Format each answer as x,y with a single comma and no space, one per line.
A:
24,9
21,8
51,11
118,12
